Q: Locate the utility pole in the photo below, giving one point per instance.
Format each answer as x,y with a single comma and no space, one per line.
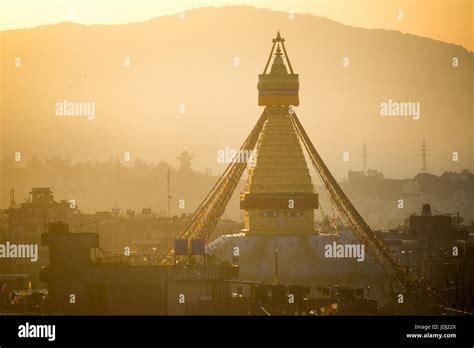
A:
424,149
169,193
276,280
364,158
12,198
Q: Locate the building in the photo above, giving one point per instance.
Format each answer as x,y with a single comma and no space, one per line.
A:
436,248
435,226
82,281
28,221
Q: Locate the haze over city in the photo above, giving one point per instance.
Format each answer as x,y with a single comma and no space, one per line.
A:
148,101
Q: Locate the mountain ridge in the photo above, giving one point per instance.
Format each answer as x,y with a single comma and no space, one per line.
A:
193,66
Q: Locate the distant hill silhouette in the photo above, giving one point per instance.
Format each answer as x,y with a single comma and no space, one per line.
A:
448,184
190,62
101,186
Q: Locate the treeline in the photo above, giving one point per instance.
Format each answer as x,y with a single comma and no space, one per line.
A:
98,186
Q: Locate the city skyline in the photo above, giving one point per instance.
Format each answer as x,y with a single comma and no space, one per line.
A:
191,164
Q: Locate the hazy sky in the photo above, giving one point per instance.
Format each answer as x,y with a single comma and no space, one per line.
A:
445,20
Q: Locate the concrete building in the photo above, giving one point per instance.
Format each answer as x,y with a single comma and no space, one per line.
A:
28,221
81,281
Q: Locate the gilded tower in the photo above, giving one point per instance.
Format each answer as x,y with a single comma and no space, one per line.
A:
279,197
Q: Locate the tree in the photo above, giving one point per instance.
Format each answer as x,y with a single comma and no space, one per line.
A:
185,160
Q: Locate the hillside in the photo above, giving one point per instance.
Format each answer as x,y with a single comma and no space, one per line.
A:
190,62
